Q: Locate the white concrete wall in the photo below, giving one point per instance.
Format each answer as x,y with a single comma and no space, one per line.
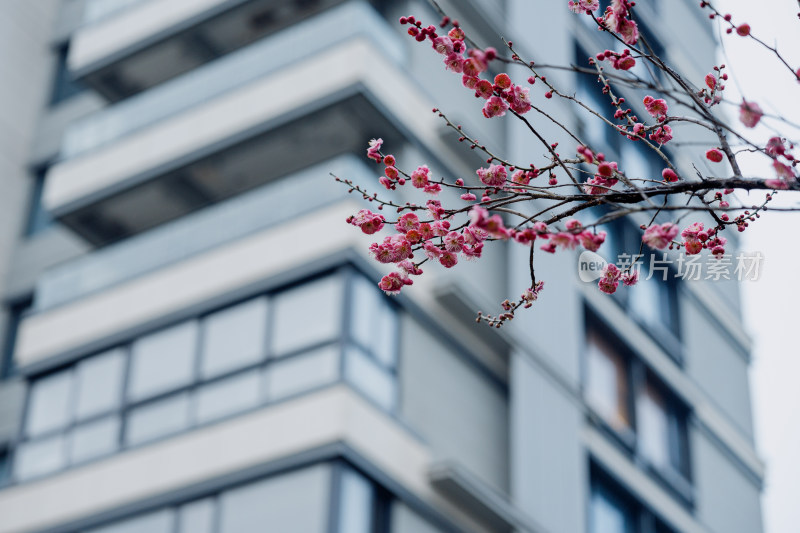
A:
96,41
460,414
26,65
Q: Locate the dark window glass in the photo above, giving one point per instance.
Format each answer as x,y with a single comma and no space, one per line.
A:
15,313
64,85
5,467
613,510
609,512
653,303
357,503
38,218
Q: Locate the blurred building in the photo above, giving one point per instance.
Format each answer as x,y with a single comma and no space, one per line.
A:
194,340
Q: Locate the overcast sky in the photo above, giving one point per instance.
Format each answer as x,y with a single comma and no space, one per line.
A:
771,304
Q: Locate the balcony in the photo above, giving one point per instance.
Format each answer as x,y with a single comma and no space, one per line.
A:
294,195
287,47
163,154
128,46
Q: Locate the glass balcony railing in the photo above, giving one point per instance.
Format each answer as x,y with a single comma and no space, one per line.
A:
273,203
344,22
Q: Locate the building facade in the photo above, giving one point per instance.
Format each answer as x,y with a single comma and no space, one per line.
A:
194,340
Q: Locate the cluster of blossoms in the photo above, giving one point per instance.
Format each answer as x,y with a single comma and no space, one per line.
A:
584,6
620,61
711,93
392,177
660,133
659,236
500,95
617,17
604,178
695,238
575,235
430,233
368,221
612,275
439,242
777,149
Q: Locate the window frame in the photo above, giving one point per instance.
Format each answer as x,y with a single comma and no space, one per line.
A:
667,336
676,478
642,518
64,86
340,341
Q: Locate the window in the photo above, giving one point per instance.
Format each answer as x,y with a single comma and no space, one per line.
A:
296,501
358,498
652,303
234,337
612,510
661,425
607,381
197,517
306,315
39,457
205,369
64,85
644,69
373,321
163,361
371,359
600,136
370,378
636,410
94,439
311,370
608,512
5,466
157,419
223,398
99,384
317,498
49,403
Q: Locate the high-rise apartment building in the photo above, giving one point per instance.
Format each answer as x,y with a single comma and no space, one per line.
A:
195,342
